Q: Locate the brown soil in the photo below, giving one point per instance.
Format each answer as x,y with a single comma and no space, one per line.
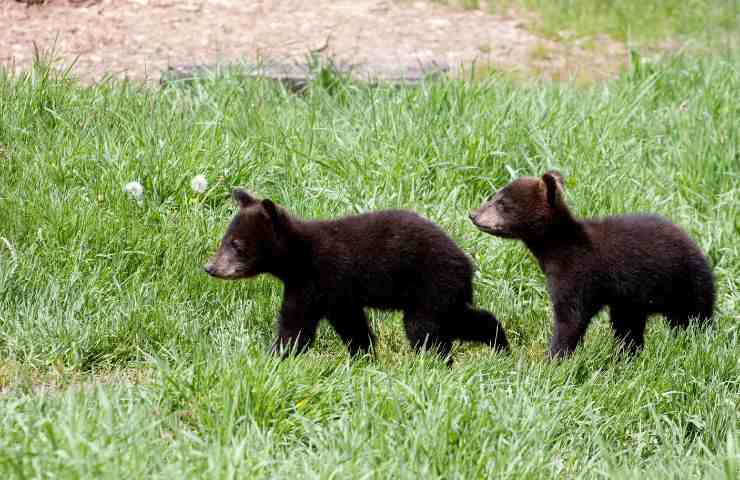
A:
381,38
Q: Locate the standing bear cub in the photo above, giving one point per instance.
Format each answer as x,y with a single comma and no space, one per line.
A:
333,269
638,265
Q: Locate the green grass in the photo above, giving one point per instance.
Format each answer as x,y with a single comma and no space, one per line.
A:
637,20
120,358
633,21
466,4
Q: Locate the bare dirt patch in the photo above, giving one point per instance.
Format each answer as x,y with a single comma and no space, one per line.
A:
379,38
16,378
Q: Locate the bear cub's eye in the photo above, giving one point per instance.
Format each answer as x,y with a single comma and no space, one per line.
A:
235,244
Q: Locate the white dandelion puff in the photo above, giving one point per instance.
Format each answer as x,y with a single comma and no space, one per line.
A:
199,183
135,190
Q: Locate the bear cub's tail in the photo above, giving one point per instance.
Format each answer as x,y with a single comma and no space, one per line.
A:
480,326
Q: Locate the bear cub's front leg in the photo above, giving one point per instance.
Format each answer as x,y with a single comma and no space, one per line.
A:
569,327
297,324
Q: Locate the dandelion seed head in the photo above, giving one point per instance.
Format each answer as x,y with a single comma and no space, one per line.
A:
135,189
199,183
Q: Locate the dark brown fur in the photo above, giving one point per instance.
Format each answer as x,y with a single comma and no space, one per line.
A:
334,268
638,265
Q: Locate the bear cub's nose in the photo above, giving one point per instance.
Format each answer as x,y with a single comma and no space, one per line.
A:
208,269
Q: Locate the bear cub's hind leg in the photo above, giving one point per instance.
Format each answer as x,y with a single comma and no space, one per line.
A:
477,325
424,332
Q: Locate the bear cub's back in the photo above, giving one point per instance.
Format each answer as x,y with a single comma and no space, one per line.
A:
389,243
386,232
645,238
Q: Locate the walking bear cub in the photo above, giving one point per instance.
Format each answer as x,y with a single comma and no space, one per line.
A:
638,265
334,268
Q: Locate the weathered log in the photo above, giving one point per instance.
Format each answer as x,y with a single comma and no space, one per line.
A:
296,77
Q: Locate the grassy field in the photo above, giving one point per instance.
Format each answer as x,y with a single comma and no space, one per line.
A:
120,358
633,21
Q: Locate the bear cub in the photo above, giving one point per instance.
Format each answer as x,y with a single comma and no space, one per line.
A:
332,269
638,265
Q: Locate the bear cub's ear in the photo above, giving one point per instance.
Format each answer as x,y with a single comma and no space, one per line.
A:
242,198
272,211
557,176
554,185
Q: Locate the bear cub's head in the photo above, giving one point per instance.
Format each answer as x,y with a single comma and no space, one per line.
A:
523,209
252,240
